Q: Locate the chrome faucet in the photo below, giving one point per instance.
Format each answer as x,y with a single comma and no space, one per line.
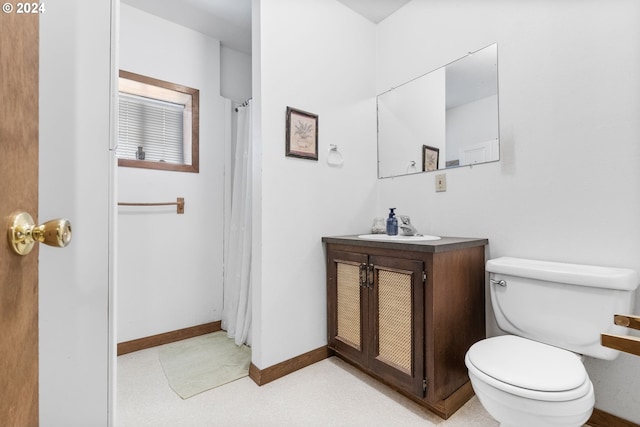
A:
406,227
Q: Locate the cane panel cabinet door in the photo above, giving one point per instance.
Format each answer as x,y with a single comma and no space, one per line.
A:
407,313
376,315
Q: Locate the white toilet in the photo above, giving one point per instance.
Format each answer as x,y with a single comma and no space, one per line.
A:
555,313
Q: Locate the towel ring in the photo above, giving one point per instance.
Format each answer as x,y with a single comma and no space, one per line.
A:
334,158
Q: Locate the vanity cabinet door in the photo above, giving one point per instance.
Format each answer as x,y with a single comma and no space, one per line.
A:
346,302
408,329
396,319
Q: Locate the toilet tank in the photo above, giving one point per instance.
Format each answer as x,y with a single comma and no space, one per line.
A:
565,305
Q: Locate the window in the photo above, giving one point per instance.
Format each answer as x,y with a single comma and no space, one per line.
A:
158,124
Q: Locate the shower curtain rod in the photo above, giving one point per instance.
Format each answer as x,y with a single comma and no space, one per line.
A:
244,104
179,204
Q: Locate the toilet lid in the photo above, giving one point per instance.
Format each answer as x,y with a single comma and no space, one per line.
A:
528,364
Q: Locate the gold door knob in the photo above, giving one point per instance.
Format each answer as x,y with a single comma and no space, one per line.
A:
23,233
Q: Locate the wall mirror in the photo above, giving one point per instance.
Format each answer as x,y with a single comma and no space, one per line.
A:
443,119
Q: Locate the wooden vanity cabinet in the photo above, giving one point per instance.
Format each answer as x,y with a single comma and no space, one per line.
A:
406,313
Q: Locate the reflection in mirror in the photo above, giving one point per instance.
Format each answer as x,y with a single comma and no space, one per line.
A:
442,119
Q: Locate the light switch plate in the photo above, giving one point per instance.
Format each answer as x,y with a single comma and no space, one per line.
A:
441,183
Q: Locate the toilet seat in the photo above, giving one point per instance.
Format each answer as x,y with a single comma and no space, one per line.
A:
528,368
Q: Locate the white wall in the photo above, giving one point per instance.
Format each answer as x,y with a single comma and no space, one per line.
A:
471,124
75,74
170,266
321,61
235,74
567,187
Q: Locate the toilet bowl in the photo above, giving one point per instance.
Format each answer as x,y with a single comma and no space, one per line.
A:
554,314
530,384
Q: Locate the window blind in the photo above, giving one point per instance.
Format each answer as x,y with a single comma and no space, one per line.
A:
156,126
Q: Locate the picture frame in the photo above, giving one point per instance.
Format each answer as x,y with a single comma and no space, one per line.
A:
430,158
302,134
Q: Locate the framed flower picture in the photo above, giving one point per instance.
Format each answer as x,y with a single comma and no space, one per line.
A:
302,134
430,158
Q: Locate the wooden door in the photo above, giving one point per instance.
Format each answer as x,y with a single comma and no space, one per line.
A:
18,192
346,304
396,319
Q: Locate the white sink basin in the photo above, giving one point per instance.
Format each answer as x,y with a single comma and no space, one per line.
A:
399,238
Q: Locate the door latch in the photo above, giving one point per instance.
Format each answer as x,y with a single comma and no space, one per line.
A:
23,233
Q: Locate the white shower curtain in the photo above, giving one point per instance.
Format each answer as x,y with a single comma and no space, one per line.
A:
236,311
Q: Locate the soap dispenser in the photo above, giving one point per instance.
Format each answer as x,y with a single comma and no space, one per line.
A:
392,223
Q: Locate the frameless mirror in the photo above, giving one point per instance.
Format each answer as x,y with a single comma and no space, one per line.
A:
445,118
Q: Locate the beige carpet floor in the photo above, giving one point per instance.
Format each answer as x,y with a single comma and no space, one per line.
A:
199,364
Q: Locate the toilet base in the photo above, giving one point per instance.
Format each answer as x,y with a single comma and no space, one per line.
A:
515,411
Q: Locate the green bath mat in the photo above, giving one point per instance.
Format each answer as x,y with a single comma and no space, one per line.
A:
199,364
